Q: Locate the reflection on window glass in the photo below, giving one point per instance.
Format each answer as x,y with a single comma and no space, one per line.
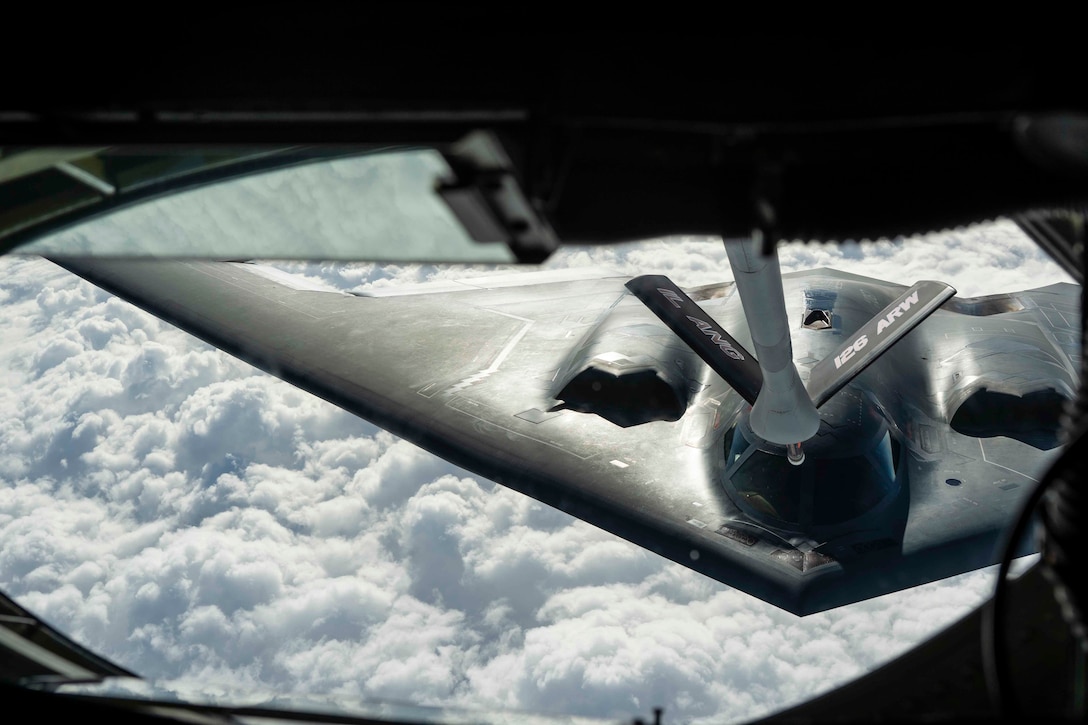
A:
769,487
380,207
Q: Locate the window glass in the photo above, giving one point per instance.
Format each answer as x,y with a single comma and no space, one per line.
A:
378,206
845,488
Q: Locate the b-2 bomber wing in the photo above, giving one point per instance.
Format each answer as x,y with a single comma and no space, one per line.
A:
564,387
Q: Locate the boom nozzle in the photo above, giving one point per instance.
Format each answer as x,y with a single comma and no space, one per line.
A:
794,454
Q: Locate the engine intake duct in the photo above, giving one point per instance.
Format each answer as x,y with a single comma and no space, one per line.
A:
625,399
1033,418
628,370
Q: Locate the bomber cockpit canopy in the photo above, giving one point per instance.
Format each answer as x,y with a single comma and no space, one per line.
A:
849,471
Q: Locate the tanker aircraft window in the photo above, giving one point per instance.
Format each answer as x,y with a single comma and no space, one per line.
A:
221,532
378,206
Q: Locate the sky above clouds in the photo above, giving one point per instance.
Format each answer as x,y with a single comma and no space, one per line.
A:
217,530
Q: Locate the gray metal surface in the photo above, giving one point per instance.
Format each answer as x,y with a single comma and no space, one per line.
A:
783,412
474,375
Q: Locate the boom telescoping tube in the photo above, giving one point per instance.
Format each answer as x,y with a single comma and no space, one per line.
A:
783,412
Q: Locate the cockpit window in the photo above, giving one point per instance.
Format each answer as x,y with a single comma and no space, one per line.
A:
822,491
765,482
848,487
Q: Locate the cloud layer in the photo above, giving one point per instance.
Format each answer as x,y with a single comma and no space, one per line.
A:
217,530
